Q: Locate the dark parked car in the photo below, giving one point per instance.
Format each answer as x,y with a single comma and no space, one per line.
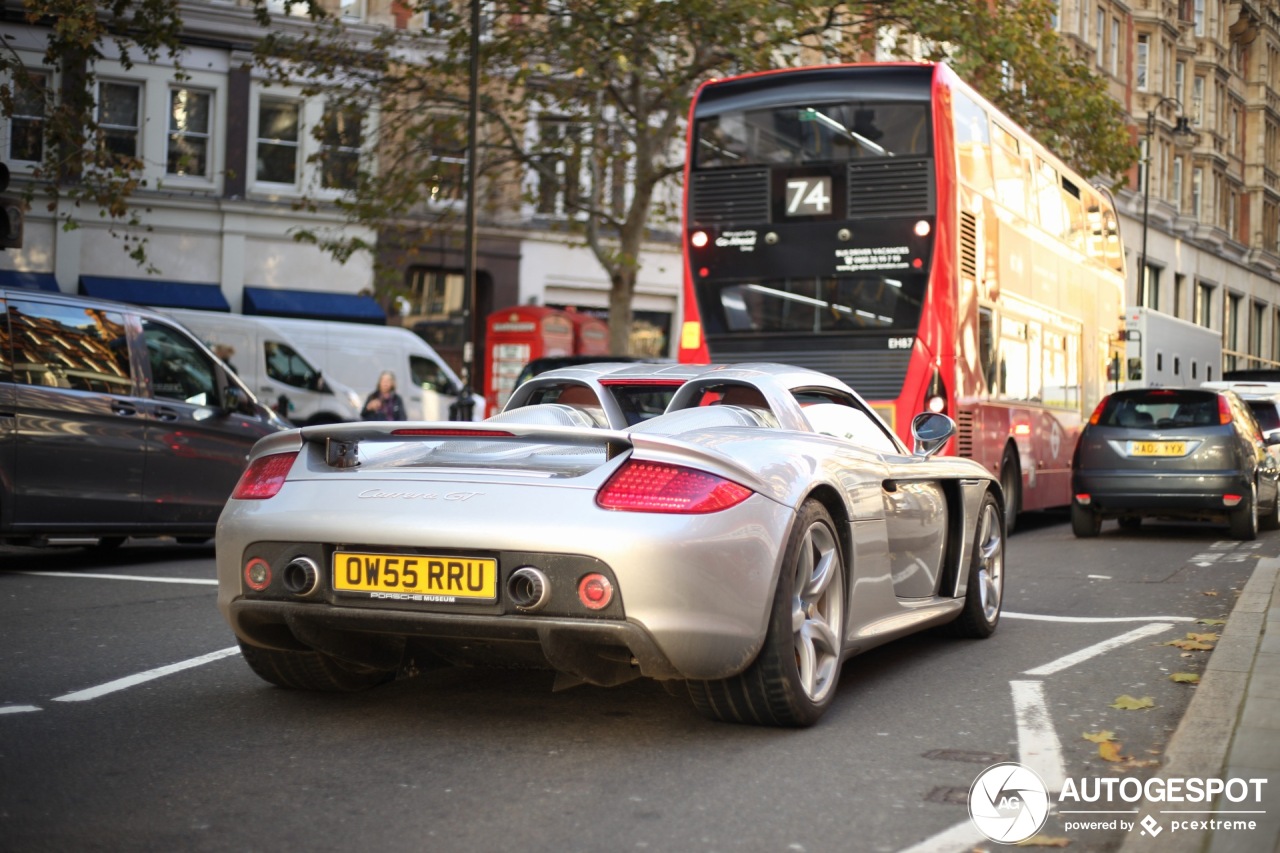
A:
1175,452
1262,398
114,422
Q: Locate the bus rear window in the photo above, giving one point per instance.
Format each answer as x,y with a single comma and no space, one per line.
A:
831,304
818,133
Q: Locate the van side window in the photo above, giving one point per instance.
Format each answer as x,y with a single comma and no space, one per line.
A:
69,346
285,365
179,369
426,372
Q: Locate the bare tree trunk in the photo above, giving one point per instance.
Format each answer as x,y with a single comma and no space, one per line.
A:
623,285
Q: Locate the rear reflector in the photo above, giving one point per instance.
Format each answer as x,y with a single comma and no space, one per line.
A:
1232,500
595,592
1084,499
659,487
264,477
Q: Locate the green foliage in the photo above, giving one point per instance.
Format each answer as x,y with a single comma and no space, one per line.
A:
620,74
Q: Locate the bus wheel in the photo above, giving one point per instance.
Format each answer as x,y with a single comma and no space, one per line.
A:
1011,485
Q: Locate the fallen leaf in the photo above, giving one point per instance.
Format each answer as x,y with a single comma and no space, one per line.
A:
1185,677
1203,638
1043,841
1110,751
1099,737
1211,621
1211,593
1190,645
1129,703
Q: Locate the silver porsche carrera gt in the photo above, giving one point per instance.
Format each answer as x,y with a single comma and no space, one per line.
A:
744,543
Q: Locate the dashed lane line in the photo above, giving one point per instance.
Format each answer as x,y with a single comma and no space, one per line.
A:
91,576
1068,661
143,677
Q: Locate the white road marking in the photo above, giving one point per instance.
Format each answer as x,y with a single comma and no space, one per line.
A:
1067,661
200,581
1038,744
1036,617
1099,577
142,677
962,836
18,709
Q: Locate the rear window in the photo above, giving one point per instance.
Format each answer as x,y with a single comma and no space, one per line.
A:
1265,412
1161,409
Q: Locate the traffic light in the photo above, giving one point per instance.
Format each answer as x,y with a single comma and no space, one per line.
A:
11,214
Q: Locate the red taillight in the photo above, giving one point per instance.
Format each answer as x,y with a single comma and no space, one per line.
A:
1224,410
659,487
264,477
1097,412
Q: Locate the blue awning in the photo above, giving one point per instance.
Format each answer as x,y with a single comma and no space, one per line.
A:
154,291
313,305
29,280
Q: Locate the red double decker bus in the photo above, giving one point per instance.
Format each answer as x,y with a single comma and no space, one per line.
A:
885,224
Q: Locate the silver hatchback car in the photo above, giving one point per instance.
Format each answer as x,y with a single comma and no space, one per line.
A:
1174,452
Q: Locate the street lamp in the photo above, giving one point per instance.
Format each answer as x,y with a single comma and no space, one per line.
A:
1182,127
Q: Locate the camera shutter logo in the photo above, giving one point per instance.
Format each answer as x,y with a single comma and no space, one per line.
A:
1008,802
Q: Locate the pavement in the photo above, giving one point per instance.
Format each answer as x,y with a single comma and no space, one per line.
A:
1231,730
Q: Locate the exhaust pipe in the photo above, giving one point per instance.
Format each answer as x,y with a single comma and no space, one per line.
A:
301,576
528,589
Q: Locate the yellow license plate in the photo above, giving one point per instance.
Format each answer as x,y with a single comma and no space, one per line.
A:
1158,448
416,577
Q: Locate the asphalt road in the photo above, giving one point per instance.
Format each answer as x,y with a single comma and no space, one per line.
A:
129,722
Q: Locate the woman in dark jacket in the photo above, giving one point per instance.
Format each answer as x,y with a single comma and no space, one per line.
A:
384,404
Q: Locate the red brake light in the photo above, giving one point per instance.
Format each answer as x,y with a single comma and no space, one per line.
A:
1097,412
659,487
1224,410
264,477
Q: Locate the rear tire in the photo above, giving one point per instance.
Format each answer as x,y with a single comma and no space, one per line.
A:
1243,520
309,671
793,679
1271,521
984,593
1011,485
1085,523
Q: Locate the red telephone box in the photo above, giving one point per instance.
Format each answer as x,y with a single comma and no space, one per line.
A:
516,336
590,334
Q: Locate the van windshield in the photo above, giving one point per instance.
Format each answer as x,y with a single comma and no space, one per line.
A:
285,365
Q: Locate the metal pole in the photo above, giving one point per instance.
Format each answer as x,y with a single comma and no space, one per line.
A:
462,410
1146,202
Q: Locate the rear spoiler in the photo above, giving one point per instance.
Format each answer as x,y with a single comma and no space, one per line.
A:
342,441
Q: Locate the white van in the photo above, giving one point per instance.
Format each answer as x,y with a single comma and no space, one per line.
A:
355,353
279,370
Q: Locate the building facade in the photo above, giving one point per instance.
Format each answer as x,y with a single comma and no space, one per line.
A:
1201,211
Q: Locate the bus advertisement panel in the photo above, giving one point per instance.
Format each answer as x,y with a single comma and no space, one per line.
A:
885,224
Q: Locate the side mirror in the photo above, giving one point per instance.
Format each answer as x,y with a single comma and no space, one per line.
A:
233,398
1271,439
930,431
